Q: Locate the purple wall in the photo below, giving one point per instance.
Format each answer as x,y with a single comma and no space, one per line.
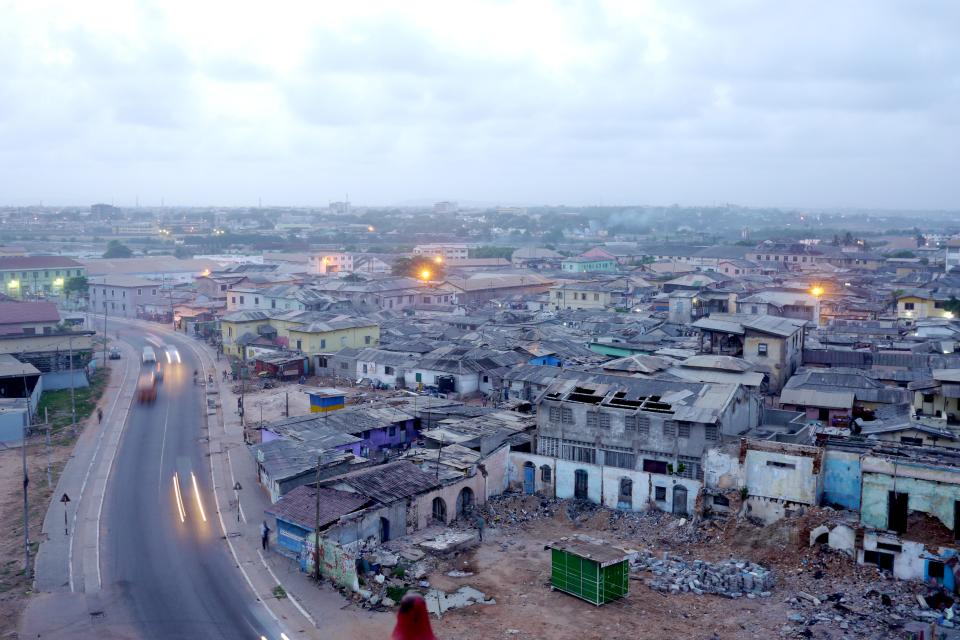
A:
381,438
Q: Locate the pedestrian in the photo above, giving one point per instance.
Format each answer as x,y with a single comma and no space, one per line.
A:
413,621
99,415
265,535
479,523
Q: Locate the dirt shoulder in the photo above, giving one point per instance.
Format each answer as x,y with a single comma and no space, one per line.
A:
15,586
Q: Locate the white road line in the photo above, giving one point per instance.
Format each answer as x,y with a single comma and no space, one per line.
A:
289,595
86,476
163,447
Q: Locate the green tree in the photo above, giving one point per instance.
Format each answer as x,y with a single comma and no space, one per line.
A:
903,254
418,267
75,286
116,249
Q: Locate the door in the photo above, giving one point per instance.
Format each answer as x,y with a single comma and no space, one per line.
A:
580,484
529,475
384,530
680,499
897,511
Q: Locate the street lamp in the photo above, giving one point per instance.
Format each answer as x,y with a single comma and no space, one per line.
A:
817,291
425,275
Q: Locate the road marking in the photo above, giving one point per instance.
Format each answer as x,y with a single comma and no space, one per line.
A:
163,446
289,595
176,490
86,477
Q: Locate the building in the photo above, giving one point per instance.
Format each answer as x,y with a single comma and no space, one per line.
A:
535,258
584,295
445,208
445,252
123,296
628,443
917,304
939,396
582,264
838,395
481,287
774,346
952,260
33,332
331,262
32,277
785,304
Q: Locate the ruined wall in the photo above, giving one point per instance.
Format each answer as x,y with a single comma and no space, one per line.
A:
496,465
781,476
935,497
841,479
721,470
449,494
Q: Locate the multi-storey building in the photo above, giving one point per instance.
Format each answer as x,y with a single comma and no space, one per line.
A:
30,277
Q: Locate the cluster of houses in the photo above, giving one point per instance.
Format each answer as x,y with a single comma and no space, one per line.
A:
766,378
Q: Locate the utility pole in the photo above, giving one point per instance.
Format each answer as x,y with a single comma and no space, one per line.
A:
26,485
105,307
73,400
316,530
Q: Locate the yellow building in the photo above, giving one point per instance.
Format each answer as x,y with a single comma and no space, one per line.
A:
307,332
915,305
330,336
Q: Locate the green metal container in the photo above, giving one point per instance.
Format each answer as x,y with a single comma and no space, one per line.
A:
597,573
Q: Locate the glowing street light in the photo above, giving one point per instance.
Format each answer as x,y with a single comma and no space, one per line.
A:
425,274
371,229
948,315
438,259
817,291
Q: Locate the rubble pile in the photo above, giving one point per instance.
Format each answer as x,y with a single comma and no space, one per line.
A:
731,579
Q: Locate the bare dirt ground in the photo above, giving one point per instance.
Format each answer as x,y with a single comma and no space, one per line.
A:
513,567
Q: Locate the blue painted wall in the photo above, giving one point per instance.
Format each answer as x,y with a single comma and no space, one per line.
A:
290,536
547,361
841,479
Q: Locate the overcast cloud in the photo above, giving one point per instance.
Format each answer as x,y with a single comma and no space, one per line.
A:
815,104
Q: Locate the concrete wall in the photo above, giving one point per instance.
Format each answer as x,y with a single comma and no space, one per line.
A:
766,476
908,564
449,494
934,494
841,479
721,470
61,380
603,483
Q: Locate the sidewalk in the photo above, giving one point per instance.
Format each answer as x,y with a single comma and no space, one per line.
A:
308,607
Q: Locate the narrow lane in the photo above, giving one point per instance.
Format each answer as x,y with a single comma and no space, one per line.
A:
164,559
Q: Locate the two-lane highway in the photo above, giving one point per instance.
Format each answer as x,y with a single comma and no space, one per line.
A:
164,561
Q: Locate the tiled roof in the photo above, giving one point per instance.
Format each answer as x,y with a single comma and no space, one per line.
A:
36,262
26,312
300,506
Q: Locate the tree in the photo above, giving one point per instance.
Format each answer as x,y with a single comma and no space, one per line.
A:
116,249
903,254
419,267
75,286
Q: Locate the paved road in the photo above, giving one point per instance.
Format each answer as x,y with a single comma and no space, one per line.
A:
165,566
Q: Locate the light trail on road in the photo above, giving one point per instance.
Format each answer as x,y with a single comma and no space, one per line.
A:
176,490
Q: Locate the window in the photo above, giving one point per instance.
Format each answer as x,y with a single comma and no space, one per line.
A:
343,365
604,420
392,431
781,465
139,292
596,297
388,370
545,473
365,367
29,331
684,429
578,451
241,299
654,466
46,274
626,491
721,501
323,343
299,345
762,349
123,293
914,441
566,415
660,494
366,339
554,414
753,309
580,484
630,423
669,429
548,447
908,306
153,292
233,299
230,331
426,299
256,301
620,458
591,420
710,432
273,304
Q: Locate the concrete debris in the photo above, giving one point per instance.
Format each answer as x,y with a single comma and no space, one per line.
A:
439,601
730,579
448,541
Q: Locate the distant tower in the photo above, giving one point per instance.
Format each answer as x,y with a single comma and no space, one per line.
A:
745,233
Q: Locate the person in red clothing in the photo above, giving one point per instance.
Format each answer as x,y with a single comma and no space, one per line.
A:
413,621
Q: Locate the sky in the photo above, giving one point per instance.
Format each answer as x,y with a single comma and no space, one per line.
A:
808,104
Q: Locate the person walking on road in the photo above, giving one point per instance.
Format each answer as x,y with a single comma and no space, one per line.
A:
265,535
99,415
413,620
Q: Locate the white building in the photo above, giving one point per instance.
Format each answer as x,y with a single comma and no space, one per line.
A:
331,262
445,207
445,251
953,254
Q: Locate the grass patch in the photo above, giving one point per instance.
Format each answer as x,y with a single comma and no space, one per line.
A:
279,592
56,404
396,593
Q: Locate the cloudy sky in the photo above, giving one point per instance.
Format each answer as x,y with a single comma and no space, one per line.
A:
816,104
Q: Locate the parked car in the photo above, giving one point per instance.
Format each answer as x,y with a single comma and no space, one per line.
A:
115,353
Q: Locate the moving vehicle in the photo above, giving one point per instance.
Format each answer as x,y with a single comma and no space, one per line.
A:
147,387
149,356
114,353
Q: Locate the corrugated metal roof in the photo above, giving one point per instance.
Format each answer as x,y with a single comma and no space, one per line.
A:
815,398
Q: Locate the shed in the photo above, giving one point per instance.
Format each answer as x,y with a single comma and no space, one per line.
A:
597,573
326,399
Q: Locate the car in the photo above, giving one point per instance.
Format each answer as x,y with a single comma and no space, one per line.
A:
114,353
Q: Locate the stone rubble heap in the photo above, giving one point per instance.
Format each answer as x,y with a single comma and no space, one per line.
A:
730,579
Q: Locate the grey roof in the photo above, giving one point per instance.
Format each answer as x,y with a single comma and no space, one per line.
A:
817,398
248,315
300,506
11,367
725,363
388,483
839,380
